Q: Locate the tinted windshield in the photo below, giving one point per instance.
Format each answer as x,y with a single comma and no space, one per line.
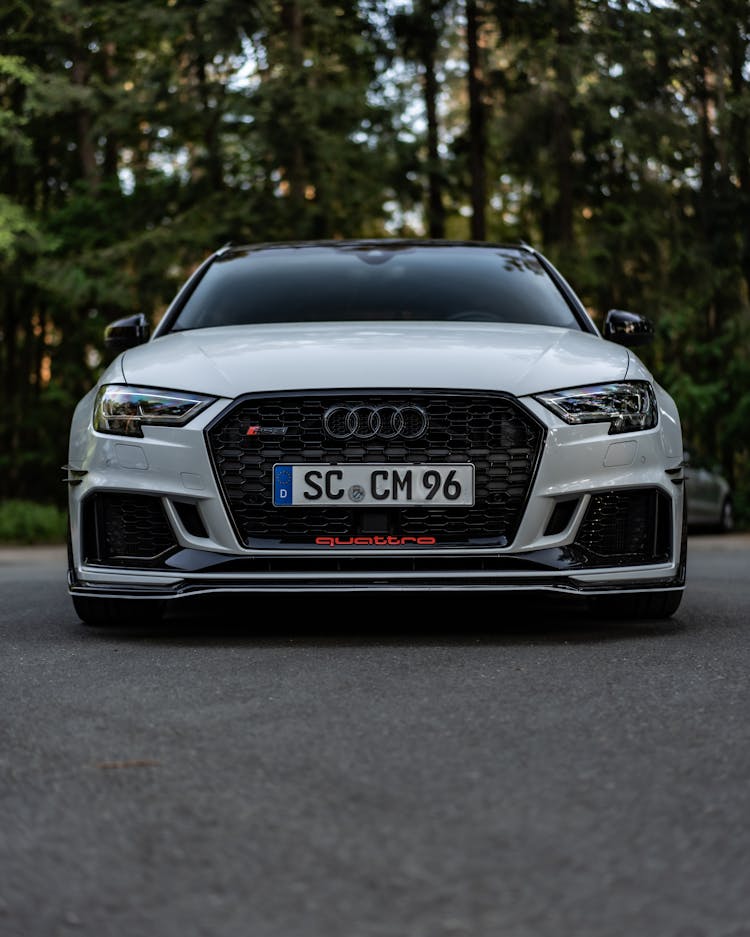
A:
347,284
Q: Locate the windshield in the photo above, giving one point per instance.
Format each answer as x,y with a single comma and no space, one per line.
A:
370,283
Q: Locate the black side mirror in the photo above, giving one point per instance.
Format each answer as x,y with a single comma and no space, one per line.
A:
627,328
127,333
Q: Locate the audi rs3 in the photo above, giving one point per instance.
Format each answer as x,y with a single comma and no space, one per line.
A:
375,416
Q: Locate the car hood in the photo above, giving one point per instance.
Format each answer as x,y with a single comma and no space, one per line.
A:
233,360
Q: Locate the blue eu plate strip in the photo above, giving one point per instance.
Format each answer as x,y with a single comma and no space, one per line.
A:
282,484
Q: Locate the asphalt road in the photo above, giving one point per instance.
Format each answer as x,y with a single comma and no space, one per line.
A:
297,774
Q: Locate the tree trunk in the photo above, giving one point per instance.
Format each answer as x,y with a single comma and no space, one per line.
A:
210,116
561,216
477,125
740,131
293,23
435,209
14,379
86,148
111,146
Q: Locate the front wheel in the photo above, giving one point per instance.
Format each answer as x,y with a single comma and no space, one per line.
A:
641,606
117,613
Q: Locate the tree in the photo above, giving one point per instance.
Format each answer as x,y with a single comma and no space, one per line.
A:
419,34
137,136
477,122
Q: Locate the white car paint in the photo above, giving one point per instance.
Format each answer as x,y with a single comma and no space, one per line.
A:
518,359
253,358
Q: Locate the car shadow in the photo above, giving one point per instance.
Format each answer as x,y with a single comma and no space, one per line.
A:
390,620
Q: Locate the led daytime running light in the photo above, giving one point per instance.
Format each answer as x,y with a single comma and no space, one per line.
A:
629,406
122,410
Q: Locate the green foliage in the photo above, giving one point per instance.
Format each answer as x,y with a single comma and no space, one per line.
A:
136,136
30,522
15,223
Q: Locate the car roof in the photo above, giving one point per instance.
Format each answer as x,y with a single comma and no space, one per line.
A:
366,244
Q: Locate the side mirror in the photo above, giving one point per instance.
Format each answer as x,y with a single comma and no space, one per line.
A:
627,328
127,333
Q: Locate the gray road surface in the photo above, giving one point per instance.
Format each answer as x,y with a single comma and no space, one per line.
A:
295,774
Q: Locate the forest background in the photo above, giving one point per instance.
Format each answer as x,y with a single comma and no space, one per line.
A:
137,136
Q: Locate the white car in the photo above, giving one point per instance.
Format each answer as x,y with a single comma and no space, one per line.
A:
374,416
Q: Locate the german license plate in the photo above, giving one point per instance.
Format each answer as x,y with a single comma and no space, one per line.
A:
373,485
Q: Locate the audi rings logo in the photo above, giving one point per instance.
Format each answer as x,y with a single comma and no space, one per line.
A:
385,422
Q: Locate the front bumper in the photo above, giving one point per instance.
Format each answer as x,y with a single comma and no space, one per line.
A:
577,464
148,585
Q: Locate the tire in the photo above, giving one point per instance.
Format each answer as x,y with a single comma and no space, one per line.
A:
117,613
726,517
641,606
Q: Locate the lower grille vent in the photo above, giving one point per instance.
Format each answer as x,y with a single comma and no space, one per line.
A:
626,528
120,528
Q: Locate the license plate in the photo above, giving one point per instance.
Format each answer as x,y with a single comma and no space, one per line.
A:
373,485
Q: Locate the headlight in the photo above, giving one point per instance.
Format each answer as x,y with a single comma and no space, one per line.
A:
628,405
123,410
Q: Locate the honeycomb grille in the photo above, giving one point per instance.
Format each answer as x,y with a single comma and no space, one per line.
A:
626,528
495,434
125,527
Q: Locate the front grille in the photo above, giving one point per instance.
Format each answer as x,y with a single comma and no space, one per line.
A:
119,528
626,528
492,431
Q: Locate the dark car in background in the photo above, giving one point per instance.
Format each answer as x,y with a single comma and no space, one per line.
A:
709,497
